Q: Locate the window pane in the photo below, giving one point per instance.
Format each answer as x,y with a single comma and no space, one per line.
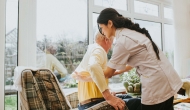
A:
11,53
118,4
168,13
95,25
154,30
61,36
146,8
169,42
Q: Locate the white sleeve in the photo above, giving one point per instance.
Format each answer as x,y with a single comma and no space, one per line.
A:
97,58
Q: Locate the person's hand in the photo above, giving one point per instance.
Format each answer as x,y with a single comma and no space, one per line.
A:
79,77
116,102
75,75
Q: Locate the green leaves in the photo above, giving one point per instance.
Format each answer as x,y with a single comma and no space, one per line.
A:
131,77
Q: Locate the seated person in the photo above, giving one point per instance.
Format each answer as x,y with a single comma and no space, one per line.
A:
52,63
95,90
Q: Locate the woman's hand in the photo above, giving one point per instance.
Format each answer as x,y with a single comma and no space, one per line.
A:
128,68
117,72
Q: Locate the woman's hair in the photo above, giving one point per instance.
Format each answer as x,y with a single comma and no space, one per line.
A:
121,22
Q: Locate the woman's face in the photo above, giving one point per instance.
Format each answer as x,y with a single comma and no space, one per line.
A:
107,30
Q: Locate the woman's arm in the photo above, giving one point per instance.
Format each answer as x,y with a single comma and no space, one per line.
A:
109,72
128,68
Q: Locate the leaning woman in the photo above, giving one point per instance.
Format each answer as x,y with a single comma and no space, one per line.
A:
134,47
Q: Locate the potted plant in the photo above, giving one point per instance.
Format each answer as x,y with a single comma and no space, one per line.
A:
131,82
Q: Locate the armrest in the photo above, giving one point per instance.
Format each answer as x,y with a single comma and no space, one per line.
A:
73,99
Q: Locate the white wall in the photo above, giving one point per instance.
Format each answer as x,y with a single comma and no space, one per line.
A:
2,50
182,36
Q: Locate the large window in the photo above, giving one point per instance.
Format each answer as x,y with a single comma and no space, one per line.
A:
169,42
11,53
154,30
61,34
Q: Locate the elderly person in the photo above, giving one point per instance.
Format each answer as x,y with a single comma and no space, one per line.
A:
96,89
52,63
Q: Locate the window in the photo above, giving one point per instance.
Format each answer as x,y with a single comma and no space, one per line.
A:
11,53
62,34
118,4
154,30
168,13
95,25
169,42
146,8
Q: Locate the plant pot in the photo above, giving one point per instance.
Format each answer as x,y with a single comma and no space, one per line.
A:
132,88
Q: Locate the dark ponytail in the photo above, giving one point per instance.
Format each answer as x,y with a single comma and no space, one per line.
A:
121,22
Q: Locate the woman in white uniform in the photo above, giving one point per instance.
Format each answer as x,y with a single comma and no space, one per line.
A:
135,48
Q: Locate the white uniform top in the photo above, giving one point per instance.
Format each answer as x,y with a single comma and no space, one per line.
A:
158,78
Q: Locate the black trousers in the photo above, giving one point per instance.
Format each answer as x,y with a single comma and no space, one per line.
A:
166,105
131,103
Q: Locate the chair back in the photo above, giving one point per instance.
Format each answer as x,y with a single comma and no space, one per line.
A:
41,91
